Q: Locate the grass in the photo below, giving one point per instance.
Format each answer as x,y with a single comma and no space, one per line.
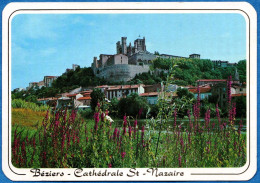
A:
27,118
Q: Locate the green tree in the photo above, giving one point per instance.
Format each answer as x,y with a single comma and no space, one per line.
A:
183,102
96,96
113,107
132,104
241,68
240,106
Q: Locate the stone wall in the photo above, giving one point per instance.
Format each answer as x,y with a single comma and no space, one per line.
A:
122,72
144,57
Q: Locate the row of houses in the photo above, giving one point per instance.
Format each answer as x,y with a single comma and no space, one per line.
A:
47,80
80,98
72,99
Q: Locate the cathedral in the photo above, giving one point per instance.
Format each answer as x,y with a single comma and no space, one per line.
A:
128,61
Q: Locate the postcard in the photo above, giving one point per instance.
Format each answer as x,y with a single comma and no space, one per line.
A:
129,91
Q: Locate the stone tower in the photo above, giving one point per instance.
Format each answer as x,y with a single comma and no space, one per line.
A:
129,50
124,47
118,48
139,45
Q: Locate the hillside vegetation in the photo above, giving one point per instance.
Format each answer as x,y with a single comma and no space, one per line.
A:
187,72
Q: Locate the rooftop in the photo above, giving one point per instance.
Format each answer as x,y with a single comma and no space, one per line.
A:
149,94
123,87
202,90
238,95
84,98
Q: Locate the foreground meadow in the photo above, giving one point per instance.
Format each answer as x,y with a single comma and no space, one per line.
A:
65,140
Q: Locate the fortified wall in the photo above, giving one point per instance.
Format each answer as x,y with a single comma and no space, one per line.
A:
122,72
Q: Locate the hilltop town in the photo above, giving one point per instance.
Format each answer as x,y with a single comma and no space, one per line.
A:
131,62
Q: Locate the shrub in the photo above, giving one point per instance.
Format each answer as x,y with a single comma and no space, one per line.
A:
19,103
131,106
86,113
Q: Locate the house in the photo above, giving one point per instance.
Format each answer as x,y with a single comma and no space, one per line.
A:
236,89
205,92
152,88
201,82
51,101
84,101
74,98
223,64
62,95
64,102
120,91
151,97
48,80
33,85
40,84
18,89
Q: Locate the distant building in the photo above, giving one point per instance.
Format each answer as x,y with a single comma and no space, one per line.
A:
84,101
120,91
194,55
166,56
151,97
51,101
63,102
220,91
74,66
201,82
40,84
18,89
152,88
128,61
205,92
223,64
33,85
48,80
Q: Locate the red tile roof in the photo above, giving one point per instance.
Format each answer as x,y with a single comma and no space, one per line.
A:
202,90
84,98
72,95
50,76
238,95
123,87
149,94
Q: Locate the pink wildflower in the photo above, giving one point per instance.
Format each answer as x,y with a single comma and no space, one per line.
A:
123,154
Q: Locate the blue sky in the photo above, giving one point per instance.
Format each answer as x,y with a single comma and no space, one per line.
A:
47,44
